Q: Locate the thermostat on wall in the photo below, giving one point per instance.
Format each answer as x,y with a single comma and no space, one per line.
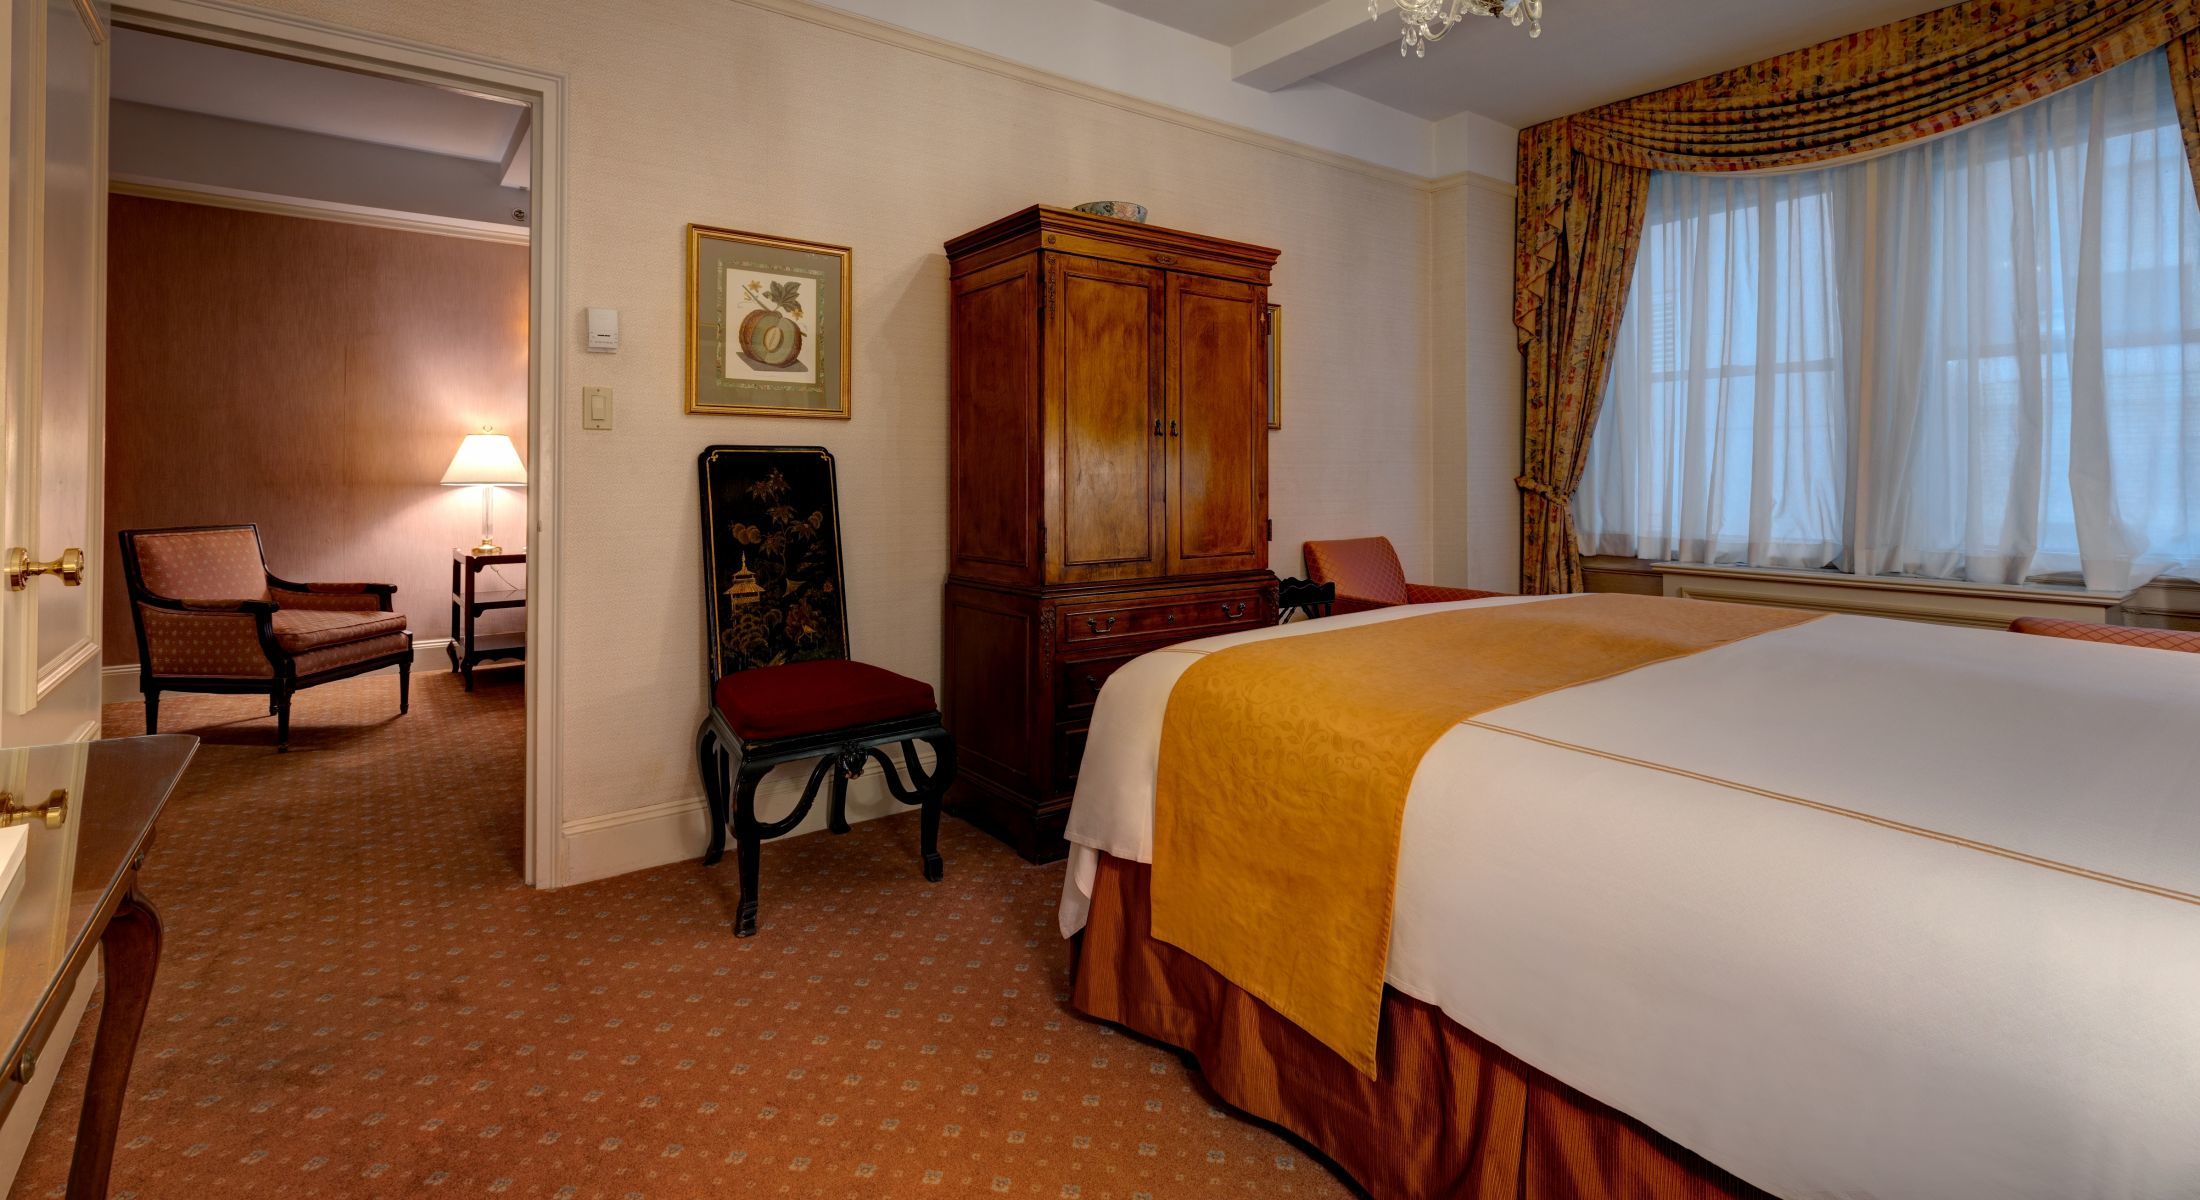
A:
603,330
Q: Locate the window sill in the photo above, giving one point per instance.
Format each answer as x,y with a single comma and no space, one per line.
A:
1990,606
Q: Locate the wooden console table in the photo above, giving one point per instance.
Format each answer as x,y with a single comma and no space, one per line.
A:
469,600
89,810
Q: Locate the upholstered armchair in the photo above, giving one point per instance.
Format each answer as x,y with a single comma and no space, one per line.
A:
1368,575
211,618
2119,635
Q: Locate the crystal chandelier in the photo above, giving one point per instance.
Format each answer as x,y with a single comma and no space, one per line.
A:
1428,20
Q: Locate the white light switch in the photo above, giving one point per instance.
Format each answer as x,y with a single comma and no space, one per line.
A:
595,408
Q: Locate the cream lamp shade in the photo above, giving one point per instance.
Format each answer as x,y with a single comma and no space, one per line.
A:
487,460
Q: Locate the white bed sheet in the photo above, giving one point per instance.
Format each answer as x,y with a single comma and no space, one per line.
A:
1861,908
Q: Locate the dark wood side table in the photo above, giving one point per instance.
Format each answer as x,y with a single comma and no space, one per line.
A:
469,600
88,809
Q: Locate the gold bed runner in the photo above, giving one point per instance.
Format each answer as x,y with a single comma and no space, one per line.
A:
1285,764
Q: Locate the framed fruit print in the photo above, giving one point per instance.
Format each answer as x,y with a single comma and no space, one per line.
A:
767,330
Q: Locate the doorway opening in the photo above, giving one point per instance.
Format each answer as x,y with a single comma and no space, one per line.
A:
330,311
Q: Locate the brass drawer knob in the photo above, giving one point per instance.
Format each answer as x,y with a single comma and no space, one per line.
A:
53,812
26,1068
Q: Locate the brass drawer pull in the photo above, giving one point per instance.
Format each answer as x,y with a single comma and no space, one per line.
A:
1093,682
1234,613
53,812
1171,618
1093,624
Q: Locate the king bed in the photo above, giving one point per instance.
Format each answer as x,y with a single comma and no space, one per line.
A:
1820,906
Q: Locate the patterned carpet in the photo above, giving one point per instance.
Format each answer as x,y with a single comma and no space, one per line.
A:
358,997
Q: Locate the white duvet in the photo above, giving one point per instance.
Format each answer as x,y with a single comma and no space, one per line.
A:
1861,908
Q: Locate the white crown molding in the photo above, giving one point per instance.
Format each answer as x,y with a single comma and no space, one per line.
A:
865,27
1473,179
317,210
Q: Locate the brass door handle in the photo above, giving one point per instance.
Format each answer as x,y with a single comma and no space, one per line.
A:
54,811
70,567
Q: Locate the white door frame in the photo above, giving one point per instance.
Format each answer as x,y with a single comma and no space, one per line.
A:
316,42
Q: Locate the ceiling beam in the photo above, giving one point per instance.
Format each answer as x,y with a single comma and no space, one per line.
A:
519,161
1312,42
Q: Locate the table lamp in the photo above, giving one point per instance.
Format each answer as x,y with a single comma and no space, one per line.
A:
488,461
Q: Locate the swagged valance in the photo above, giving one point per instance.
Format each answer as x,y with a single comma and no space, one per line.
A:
1584,180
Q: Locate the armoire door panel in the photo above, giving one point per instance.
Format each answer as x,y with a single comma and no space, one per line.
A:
1104,349
1218,431
995,439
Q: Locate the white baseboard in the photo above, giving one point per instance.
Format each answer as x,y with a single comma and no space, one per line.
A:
637,839
118,683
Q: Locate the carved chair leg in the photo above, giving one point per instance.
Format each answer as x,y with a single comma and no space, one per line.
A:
404,687
748,843
935,791
710,759
836,807
152,710
282,720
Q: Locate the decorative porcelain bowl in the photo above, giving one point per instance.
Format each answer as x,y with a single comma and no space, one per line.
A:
1121,210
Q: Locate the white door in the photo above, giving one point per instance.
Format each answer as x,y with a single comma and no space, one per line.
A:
53,364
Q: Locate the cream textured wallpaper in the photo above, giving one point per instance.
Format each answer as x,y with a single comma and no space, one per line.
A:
714,111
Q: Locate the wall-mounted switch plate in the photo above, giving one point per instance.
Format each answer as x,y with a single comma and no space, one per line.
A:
595,408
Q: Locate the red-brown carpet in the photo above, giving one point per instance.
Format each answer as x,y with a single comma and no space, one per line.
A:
358,997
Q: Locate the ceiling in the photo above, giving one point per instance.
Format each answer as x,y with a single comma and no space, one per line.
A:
167,72
1591,51
1225,21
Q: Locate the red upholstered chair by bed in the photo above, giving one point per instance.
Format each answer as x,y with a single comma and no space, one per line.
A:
2120,635
211,618
1367,575
782,687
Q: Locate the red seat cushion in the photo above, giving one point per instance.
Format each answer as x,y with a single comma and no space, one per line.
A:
818,696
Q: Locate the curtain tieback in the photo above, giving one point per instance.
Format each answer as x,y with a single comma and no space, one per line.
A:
1537,488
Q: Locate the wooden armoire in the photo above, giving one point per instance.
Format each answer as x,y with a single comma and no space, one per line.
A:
1108,484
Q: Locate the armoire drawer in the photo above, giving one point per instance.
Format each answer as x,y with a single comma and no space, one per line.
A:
1214,612
1077,682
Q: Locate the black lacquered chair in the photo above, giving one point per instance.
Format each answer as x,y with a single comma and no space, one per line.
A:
782,687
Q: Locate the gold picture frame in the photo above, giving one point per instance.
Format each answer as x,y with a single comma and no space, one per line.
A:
768,325
1274,332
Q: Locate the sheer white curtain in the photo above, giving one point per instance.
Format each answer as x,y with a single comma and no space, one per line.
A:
1978,358
1724,435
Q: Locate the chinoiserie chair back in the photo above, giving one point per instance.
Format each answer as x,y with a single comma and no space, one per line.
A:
210,617
782,685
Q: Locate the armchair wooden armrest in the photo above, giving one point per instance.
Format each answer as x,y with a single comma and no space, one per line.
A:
1428,593
2119,635
256,608
337,596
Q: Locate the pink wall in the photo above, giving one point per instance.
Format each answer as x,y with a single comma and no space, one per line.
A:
315,378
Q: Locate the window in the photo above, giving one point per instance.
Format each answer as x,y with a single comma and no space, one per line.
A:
1976,358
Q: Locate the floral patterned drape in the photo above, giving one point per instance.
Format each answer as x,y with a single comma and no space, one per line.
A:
1583,180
